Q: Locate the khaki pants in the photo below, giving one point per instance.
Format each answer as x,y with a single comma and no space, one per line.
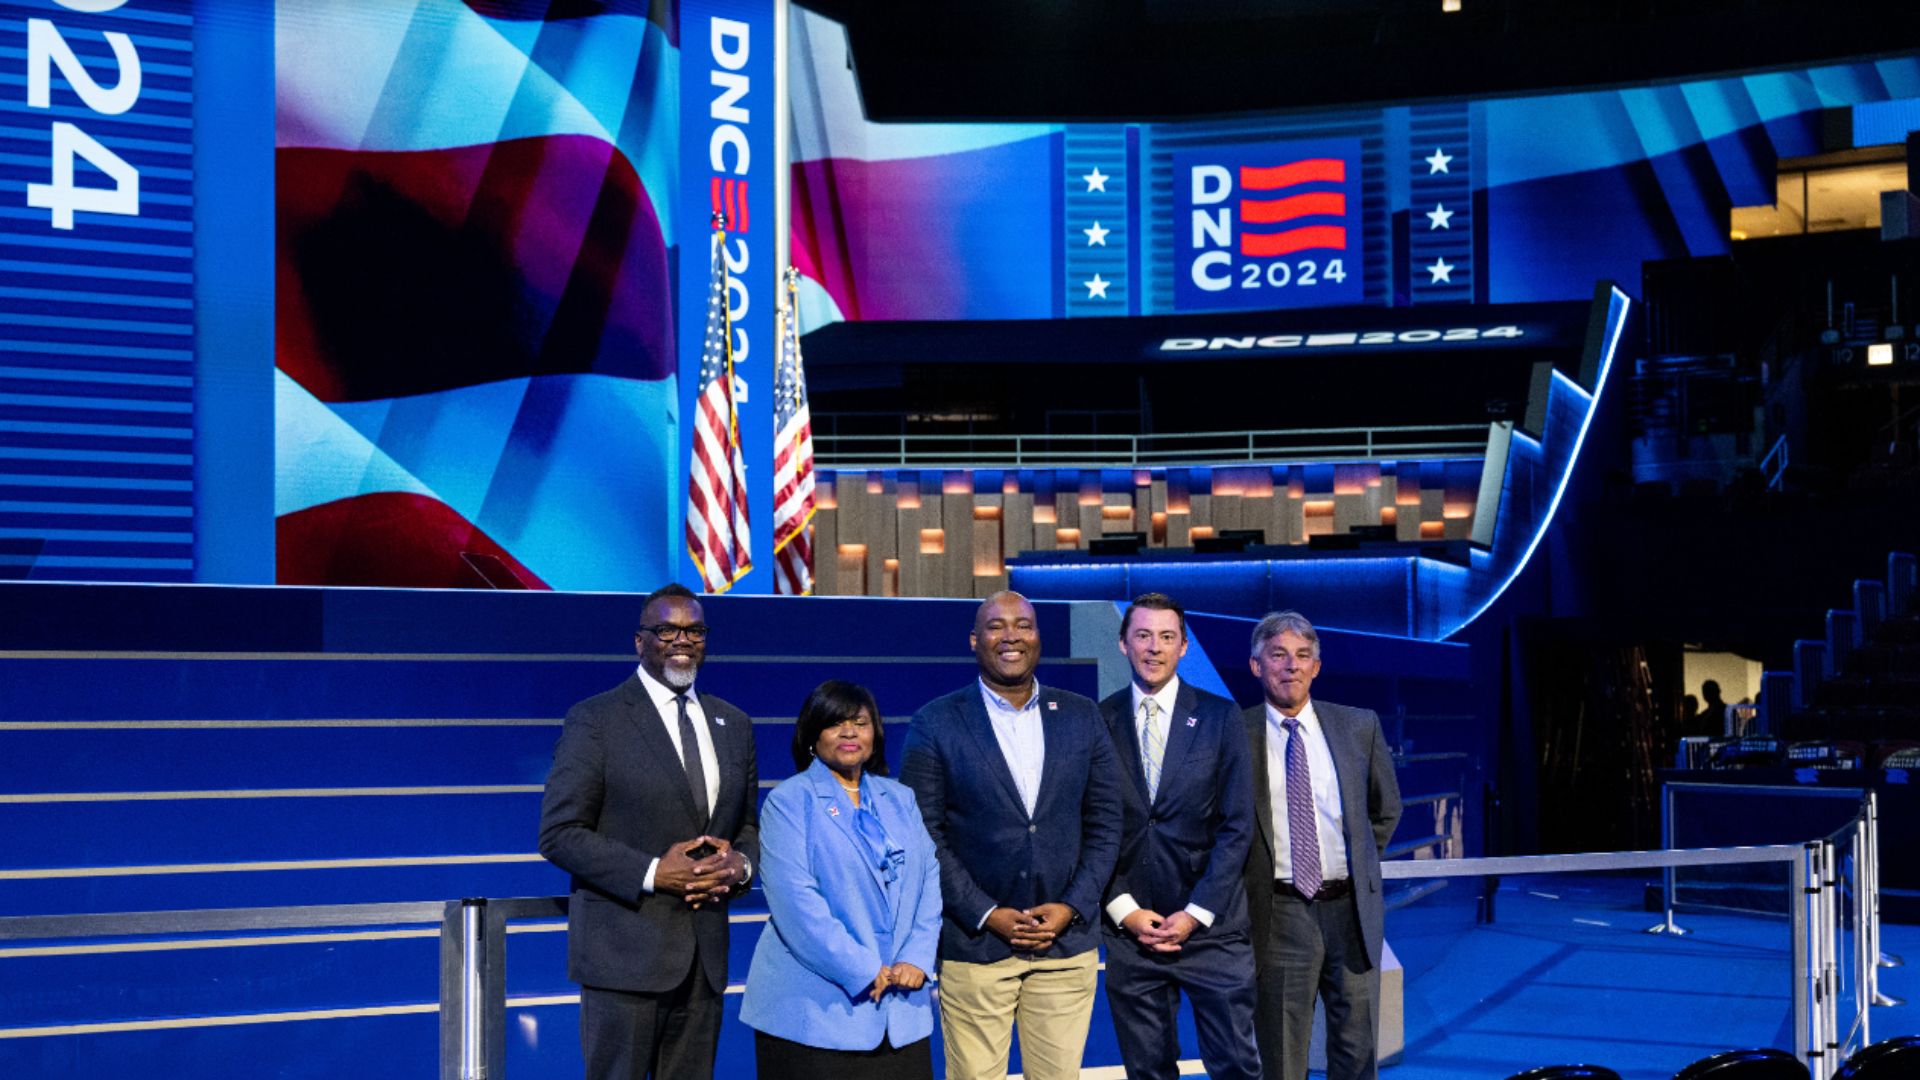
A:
1051,998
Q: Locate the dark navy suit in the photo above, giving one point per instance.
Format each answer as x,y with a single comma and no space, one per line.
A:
991,853
1188,846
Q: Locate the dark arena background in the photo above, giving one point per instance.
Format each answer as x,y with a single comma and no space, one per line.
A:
364,363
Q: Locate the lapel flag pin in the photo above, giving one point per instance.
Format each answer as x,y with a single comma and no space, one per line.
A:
1192,720
1053,706
833,811
720,720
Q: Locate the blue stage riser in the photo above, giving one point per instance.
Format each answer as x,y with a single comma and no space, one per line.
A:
172,749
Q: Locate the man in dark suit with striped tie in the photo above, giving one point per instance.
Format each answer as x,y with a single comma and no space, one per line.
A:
652,806
1327,801
1177,908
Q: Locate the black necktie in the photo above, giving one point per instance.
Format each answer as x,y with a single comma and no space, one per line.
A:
690,758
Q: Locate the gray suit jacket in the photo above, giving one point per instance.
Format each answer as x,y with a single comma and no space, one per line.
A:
1369,806
616,798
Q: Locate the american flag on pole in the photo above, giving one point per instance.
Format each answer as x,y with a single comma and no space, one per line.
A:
717,537
792,457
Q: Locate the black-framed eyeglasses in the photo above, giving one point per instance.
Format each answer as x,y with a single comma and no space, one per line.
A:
666,631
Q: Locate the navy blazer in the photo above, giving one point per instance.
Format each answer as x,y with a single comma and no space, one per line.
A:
835,922
991,853
1369,811
1190,845
616,799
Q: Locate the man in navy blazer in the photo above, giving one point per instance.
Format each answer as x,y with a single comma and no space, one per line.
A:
1327,800
1177,908
651,806
1018,787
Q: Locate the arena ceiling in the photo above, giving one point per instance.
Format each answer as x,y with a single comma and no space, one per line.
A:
1145,59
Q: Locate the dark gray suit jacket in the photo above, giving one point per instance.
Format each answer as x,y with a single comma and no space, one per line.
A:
616,798
1369,808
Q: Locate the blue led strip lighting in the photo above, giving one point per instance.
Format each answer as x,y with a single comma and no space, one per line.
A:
96,316
1617,306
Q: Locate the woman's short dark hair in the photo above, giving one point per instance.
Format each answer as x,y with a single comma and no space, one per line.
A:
830,703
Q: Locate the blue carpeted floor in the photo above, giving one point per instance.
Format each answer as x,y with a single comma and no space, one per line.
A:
1565,974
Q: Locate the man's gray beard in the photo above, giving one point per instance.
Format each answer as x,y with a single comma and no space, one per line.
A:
677,678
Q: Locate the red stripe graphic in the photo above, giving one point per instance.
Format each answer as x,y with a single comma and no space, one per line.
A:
743,206
733,208
713,196
1273,211
392,538
1301,239
1254,178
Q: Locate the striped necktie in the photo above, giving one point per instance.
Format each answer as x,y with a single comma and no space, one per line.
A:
1303,833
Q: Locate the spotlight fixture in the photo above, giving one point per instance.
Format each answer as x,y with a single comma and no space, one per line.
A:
1449,6
1880,354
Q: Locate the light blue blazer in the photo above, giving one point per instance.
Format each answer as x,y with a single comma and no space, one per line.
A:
834,924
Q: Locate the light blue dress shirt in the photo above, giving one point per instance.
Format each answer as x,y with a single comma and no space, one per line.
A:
1022,741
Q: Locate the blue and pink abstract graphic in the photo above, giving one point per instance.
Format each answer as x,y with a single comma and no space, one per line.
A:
474,316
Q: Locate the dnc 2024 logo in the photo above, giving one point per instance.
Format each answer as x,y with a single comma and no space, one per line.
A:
1267,225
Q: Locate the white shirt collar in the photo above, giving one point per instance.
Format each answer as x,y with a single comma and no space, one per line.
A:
1308,718
662,694
1165,696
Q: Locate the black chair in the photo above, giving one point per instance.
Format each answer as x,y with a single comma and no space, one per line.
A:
1892,1059
1567,1072
1746,1065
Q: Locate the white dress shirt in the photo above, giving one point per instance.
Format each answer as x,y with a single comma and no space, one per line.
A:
1124,905
1326,796
662,697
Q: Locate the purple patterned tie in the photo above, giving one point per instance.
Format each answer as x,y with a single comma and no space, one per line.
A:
1300,816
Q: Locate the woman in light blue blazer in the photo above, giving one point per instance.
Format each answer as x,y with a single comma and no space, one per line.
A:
839,986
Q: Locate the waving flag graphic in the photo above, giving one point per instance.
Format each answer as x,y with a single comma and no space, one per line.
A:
474,326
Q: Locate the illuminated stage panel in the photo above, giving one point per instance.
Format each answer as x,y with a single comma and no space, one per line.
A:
97,332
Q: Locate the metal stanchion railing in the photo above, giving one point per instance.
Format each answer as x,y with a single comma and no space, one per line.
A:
473,981
1863,923
1828,920
1667,924
1812,915
1880,959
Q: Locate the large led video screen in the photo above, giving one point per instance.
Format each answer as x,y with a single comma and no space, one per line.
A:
401,293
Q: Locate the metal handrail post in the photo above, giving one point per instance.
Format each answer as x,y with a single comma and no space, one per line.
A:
1666,925
1803,1034
473,993
462,937
1863,957
1829,968
1880,959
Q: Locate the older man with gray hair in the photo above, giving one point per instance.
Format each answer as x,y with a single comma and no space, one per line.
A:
1326,800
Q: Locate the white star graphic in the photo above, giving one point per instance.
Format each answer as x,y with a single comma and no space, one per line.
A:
1442,272
1437,163
1096,180
1096,236
1096,287
1439,215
